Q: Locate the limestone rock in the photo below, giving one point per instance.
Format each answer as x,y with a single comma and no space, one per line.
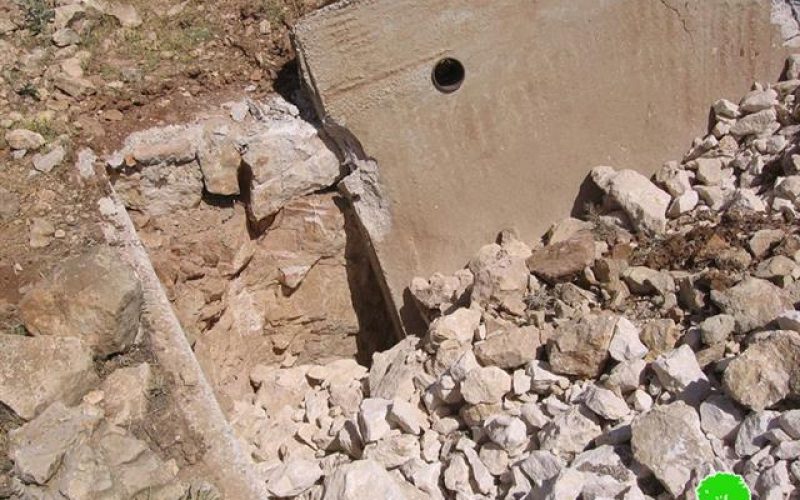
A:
754,124
570,432
287,159
126,394
94,296
485,385
501,279
9,205
625,344
510,348
219,163
392,372
766,372
38,447
37,371
293,477
668,441
22,139
440,292
643,202
753,303
752,432
789,320
679,373
459,325
716,329
393,451
373,418
580,347
505,431
365,480
758,100
605,403
645,281
48,161
564,259
761,242
41,232
541,466
720,416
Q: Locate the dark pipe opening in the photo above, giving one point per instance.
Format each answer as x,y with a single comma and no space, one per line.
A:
448,75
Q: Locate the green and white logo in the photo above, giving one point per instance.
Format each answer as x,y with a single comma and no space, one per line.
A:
723,486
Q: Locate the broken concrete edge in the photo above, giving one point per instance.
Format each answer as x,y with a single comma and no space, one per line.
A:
230,467
361,186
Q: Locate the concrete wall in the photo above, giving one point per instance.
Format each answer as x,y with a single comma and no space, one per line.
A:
552,89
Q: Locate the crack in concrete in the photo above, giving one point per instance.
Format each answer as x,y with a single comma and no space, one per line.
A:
680,17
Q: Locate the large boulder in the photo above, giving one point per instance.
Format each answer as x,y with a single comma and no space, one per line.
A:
94,296
36,371
668,441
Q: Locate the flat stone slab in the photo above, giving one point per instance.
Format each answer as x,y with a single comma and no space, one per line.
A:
551,88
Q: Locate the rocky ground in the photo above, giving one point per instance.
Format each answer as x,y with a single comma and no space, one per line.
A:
163,210
634,352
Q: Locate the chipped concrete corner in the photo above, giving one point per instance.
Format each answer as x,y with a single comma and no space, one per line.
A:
537,108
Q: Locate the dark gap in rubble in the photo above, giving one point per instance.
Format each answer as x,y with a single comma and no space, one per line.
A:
375,324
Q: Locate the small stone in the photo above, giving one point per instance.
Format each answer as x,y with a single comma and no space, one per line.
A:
41,232
683,204
507,432
766,372
778,270
625,344
48,161
641,401
580,347
754,124
564,259
643,202
510,348
460,326
364,480
726,108
220,162
127,393
679,373
668,441
789,421
495,458
752,432
456,476
65,37
605,403
372,419
758,100
720,417
501,279
789,320
293,477
37,371
21,139
9,205
569,433
716,329
38,447
406,416
645,281
541,466
485,385
674,179
393,451
660,336
709,171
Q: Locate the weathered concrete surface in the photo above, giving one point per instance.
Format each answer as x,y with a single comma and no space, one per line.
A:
552,89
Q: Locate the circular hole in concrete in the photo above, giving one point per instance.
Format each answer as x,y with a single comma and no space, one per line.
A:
448,75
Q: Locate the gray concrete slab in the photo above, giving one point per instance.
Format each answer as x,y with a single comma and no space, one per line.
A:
552,88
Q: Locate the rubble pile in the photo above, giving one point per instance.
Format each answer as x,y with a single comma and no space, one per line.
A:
637,350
